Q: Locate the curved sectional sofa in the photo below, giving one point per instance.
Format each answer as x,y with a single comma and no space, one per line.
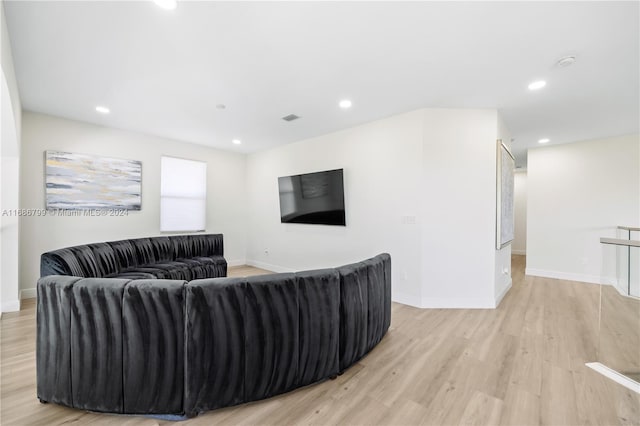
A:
163,346
179,257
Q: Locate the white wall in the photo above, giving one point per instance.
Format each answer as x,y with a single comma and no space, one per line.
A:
578,193
382,178
226,190
519,245
435,168
419,185
10,119
459,207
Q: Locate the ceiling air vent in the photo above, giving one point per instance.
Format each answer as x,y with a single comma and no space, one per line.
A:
290,117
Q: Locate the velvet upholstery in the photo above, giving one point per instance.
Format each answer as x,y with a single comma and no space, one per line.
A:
125,254
96,344
153,342
354,313
319,316
215,343
106,260
271,336
53,357
179,257
152,346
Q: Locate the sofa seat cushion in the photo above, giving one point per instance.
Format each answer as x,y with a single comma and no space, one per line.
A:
176,270
205,260
214,266
211,259
133,275
198,269
158,273
190,262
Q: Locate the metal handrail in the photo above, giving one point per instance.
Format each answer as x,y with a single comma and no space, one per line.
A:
620,242
625,243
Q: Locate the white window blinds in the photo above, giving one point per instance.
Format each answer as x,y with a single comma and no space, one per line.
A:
183,195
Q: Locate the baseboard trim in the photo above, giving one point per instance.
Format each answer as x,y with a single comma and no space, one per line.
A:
440,303
269,266
519,252
405,299
568,276
240,262
28,293
503,293
623,293
11,306
615,376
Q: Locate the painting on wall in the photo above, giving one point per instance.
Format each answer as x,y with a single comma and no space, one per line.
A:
505,196
86,182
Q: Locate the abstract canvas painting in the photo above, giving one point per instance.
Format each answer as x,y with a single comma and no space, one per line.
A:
83,182
505,196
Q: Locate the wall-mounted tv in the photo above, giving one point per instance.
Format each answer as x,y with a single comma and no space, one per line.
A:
314,198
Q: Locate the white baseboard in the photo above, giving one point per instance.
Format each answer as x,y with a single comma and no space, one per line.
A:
457,303
615,376
520,252
268,266
11,306
406,299
623,293
237,262
438,303
503,293
569,276
28,293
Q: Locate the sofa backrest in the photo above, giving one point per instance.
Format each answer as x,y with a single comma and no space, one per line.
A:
125,253
365,306
254,337
101,259
106,259
77,261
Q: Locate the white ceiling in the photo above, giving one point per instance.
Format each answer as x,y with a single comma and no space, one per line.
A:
163,72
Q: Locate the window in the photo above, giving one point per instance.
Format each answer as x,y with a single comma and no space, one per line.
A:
183,195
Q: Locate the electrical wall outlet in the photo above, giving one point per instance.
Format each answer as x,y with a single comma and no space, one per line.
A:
408,220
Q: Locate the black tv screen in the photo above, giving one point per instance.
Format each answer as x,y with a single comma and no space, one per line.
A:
315,198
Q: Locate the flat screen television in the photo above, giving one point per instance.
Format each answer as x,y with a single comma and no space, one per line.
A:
314,198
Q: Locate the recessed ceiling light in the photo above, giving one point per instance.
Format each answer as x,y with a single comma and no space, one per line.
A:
566,61
166,4
103,109
543,140
236,141
345,103
537,85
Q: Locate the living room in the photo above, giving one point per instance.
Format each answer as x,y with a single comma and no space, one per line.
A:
431,89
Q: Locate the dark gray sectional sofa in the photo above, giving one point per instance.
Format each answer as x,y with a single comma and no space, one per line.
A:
161,346
179,257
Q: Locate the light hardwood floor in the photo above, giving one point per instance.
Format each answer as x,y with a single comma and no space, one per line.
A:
520,364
